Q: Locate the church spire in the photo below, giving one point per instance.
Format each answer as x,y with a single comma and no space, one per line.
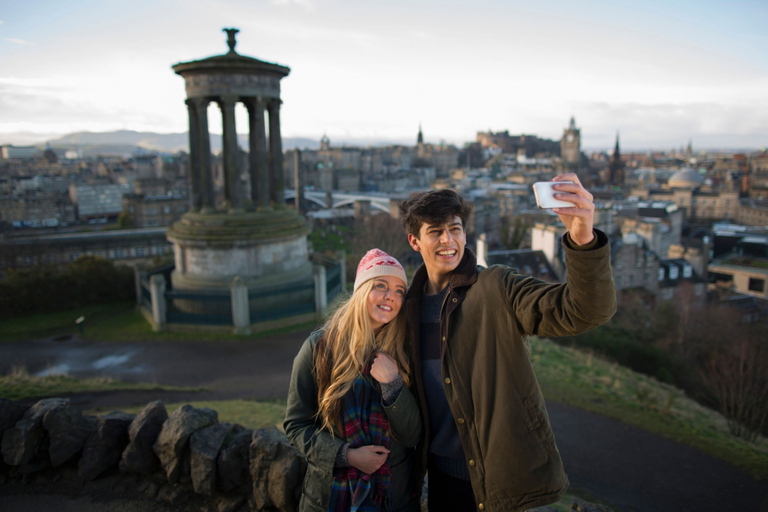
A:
616,167
420,138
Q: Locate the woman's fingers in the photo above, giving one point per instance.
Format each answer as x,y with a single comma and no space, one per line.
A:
384,368
367,459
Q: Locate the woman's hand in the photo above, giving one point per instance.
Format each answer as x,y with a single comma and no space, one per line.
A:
384,368
367,459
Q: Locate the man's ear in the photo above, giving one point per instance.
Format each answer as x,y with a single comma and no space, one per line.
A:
414,242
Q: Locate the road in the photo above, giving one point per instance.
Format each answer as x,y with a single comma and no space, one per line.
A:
629,468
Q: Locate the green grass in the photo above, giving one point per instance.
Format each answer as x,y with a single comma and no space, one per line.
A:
566,375
583,380
114,322
60,322
323,241
248,413
18,384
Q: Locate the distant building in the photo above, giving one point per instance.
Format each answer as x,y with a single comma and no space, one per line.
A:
36,210
634,265
673,274
746,275
660,223
616,167
9,152
124,245
484,218
753,212
570,144
530,144
525,261
97,201
758,177
145,211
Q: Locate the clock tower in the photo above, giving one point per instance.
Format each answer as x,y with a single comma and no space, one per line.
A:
570,144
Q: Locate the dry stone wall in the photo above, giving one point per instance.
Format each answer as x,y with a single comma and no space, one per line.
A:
186,458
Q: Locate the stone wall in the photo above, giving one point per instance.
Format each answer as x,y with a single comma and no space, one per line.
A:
188,459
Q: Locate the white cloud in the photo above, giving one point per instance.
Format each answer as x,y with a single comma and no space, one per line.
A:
17,41
309,5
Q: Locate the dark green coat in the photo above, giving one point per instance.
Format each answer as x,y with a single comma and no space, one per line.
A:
487,373
320,448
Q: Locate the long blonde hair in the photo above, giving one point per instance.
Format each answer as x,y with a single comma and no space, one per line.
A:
347,346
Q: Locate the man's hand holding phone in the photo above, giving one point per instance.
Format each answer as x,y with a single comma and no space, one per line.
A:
574,205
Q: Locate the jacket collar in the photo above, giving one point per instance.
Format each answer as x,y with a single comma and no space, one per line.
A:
464,275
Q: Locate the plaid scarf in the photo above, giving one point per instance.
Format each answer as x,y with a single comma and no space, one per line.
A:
363,423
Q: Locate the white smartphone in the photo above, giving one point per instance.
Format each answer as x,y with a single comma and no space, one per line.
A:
545,197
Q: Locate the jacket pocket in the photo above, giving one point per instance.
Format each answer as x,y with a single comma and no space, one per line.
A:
316,491
538,425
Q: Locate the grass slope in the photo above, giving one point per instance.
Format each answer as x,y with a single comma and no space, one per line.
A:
586,381
249,413
18,384
110,322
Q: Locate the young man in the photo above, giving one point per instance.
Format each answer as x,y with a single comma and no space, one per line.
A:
489,445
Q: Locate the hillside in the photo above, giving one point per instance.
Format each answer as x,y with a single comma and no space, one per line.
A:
127,141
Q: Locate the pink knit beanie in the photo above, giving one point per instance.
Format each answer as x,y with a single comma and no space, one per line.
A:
377,263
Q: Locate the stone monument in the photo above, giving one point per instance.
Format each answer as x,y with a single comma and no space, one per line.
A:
257,239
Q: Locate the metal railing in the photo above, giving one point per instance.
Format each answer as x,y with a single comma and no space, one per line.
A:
200,307
214,307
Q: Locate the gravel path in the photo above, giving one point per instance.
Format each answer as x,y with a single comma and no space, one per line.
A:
627,467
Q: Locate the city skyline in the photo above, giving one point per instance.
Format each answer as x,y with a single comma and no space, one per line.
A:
660,74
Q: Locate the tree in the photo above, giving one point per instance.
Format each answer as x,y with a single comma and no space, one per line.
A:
124,220
375,231
513,233
736,371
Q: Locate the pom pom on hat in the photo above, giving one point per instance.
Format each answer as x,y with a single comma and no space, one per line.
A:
377,263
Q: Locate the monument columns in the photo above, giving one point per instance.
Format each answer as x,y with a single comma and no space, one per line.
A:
208,201
195,199
233,190
259,163
277,185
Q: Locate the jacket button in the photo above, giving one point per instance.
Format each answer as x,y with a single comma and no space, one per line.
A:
447,380
394,407
472,463
455,300
481,506
443,338
461,421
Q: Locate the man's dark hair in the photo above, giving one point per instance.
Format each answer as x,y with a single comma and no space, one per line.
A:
435,207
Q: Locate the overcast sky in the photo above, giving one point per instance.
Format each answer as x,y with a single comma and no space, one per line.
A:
659,72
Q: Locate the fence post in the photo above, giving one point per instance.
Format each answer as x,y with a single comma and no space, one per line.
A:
139,273
157,291
321,290
241,312
342,257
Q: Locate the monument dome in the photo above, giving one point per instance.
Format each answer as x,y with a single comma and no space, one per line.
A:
685,178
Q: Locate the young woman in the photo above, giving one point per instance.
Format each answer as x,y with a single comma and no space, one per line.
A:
349,408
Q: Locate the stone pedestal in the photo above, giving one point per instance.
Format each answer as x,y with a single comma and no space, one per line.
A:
264,249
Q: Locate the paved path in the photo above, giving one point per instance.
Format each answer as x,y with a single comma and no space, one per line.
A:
630,468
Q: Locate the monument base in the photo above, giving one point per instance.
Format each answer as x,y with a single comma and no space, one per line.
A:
266,250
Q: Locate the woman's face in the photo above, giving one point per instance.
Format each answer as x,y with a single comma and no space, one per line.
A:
385,300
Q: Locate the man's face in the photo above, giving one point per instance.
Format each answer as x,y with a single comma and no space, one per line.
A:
441,246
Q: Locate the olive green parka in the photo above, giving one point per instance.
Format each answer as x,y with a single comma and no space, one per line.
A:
320,447
487,373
